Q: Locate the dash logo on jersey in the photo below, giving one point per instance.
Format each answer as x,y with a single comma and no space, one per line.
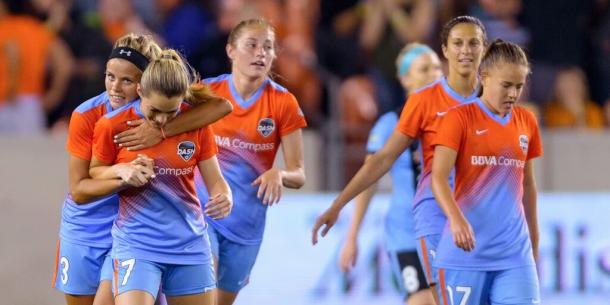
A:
523,143
265,127
186,150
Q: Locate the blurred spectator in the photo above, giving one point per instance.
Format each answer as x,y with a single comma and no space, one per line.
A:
119,18
296,62
500,18
337,44
571,106
28,47
601,64
186,26
558,38
90,48
214,60
387,26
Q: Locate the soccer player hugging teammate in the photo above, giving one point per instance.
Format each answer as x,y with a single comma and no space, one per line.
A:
487,251
83,269
265,115
159,235
417,65
463,39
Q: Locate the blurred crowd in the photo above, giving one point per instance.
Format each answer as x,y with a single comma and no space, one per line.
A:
337,57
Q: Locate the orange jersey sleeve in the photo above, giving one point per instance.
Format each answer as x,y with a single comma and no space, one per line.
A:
104,148
412,116
207,144
535,147
451,130
291,115
80,135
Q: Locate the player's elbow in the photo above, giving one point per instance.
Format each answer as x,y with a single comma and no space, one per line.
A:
225,106
79,197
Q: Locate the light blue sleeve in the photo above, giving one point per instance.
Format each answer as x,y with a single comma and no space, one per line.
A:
381,132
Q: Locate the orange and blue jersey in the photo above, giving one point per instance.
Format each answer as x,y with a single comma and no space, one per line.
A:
161,221
420,120
248,140
87,224
491,156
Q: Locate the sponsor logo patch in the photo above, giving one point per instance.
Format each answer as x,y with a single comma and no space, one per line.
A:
265,127
186,149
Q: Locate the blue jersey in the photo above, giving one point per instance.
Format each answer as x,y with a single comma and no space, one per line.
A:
489,168
399,223
248,139
87,224
162,221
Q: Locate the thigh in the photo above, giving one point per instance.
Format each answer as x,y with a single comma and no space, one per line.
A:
426,250
182,280
516,286
408,271
460,287
205,298
78,268
136,275
235,262
104,295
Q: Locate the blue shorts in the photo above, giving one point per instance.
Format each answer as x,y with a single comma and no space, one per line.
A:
177,280
408,272
78,268
235,261
516,286
426,250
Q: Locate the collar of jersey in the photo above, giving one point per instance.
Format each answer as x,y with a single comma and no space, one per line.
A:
455,95
136,108
502,120
239,100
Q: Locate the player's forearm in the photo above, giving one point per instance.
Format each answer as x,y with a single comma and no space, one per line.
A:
362,203
214,109
530,206
444,197
106,172
293,178
88,190
220,187
374,168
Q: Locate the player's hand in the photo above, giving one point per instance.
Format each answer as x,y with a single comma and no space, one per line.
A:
463,235
135,174
269,186
141,135
144,160
348,256
219,206
328,220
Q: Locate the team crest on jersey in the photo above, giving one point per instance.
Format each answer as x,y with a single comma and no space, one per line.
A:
265,127
186,149
523,143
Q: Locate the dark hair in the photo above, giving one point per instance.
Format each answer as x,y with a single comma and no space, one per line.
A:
500,51
459,20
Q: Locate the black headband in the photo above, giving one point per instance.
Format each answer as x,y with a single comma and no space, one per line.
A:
130,55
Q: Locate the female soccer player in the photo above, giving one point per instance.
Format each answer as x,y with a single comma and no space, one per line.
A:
463,39
159,235
491,143
88,213
417,65
265,115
